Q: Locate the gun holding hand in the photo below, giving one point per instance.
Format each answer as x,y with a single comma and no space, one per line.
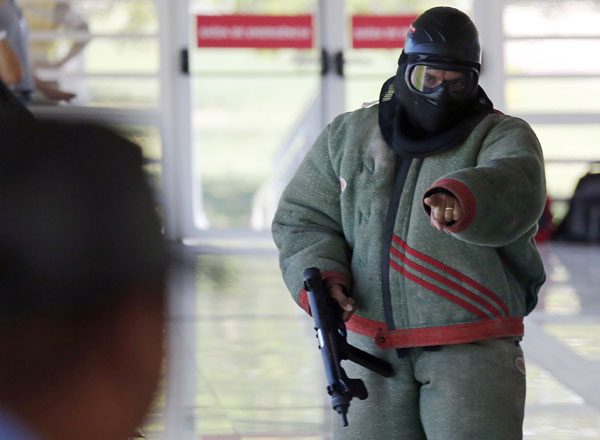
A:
331,333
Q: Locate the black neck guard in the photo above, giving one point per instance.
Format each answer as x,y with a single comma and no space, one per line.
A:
396,127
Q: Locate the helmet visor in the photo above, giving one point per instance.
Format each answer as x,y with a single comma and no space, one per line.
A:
433,80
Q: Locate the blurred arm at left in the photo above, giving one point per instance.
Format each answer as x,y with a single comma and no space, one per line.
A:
11,70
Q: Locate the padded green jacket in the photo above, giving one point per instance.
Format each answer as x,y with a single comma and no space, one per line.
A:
345,213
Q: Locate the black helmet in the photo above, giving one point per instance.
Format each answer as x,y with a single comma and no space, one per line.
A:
436,84
437,99
444,34
441,59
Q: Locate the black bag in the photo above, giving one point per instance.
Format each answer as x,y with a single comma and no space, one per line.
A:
582,222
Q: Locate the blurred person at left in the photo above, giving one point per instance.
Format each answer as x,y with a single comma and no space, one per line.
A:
17,36
11,70
49,56
82,271
11,73
56,15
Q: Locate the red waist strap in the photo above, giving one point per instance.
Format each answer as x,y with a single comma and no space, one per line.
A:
438,335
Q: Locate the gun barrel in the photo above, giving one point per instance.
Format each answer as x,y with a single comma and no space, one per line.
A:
344,419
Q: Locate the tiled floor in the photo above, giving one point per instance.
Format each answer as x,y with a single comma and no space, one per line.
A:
246,364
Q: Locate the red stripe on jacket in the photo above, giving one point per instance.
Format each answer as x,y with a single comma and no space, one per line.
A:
449,296
453,272
404,259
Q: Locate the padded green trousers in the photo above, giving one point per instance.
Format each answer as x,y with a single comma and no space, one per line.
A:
473,391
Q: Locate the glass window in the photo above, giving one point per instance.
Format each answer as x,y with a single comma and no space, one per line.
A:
246,102
73,43
552,57
552,70
539,18
117,92
569,151
553,95
107,54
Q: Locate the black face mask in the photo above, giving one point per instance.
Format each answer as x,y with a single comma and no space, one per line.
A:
414,127
427,117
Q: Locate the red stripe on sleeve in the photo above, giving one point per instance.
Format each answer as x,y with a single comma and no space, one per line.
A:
303,301
465,198
330,278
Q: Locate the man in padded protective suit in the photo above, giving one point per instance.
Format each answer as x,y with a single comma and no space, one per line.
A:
420,213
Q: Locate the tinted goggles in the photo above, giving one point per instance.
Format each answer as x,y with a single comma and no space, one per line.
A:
433,80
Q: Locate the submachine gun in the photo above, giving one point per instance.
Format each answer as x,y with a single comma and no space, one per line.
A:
331,333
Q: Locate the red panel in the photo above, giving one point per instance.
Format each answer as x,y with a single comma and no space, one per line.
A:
262,31
380,31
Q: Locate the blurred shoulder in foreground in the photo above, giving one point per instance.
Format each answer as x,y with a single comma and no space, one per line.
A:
82,271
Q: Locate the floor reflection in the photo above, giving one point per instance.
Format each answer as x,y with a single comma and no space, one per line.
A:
562,345
256,364
257,373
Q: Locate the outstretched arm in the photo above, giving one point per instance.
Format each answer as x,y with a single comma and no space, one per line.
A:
51,92
498,200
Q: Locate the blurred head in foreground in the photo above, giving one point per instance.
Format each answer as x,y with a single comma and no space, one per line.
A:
82,268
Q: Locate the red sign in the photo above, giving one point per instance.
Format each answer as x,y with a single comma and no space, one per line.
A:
264,31
380,31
